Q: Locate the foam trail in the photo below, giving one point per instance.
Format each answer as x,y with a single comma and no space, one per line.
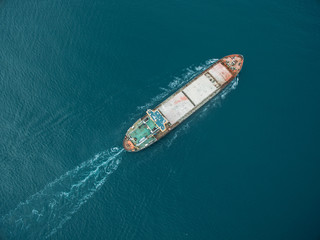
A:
42,214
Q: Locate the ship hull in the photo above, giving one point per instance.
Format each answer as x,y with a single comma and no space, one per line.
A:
182,104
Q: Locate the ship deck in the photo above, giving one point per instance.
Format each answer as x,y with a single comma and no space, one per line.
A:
179,106
158,119
139,133
151,124
142,134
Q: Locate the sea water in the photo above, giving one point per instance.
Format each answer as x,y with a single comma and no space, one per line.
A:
75,75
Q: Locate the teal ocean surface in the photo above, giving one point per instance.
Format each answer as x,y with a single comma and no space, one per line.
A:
75,75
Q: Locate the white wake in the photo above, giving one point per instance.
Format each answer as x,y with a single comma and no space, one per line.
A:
42,214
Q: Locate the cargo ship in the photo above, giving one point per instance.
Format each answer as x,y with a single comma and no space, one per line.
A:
161,120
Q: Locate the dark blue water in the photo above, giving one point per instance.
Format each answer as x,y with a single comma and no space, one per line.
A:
74,75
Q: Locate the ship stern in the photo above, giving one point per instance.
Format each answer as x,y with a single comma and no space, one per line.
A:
128,145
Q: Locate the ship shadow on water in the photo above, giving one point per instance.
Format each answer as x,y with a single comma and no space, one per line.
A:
45,212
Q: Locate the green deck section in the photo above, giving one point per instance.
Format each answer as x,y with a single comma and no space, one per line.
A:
142,130
151,139
151,124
